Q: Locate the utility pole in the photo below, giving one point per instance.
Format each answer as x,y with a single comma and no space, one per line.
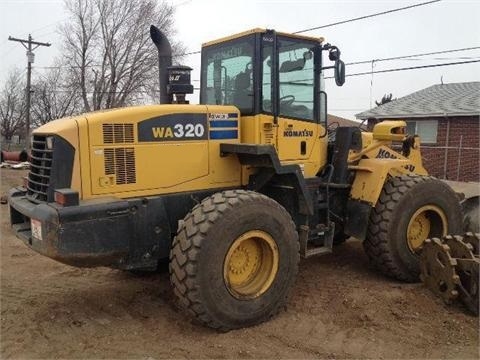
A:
27,44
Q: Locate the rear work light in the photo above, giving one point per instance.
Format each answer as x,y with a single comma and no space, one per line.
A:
66,197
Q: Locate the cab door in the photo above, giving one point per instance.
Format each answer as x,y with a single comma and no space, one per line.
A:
299,137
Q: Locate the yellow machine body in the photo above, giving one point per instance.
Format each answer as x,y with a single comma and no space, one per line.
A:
378,160
149,168
166,166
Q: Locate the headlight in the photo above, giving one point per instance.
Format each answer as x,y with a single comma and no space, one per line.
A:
49,141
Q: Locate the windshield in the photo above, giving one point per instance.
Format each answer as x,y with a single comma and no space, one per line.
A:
227,74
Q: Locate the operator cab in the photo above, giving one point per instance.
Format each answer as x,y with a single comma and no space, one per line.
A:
245,71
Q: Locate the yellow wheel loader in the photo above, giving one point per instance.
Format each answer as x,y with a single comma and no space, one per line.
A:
235,190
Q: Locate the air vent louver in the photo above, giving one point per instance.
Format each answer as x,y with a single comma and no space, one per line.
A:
117,133
121,163
109,162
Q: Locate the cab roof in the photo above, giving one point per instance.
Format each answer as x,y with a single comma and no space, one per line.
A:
259,30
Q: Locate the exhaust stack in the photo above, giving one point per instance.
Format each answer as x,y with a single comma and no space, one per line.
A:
164,62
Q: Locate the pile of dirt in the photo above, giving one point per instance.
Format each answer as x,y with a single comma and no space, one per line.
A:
339,308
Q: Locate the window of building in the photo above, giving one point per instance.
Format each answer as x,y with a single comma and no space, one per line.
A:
426,129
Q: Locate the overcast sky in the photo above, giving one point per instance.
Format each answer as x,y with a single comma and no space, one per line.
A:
435,27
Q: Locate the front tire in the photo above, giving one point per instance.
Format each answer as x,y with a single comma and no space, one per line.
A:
234,259
410,209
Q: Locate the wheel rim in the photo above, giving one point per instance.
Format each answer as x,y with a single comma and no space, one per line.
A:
428,221
251,264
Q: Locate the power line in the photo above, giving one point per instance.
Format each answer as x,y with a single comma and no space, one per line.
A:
476,59
408,68
330,77
332,24
189,53
45,26
366,16
413,55
347,21
351,63
46,34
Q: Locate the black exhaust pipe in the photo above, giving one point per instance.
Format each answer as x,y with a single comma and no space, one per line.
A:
164,62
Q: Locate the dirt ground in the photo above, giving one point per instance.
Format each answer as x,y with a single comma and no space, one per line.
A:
339,308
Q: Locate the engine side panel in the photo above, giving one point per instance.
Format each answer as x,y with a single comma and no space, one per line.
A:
156,150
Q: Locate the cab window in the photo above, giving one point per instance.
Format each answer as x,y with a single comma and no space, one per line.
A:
296,79
227,75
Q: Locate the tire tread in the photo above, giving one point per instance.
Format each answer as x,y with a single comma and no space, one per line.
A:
376,244
187,246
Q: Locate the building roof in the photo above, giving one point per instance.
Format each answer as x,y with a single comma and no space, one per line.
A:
332,119
455,99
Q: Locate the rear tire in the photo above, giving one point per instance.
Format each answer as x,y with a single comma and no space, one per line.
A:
410,209
234,259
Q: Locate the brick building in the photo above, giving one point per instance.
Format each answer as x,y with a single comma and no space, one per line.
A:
447,118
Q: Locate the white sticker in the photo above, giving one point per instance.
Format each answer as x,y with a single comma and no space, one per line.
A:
98,152
36,227
218,117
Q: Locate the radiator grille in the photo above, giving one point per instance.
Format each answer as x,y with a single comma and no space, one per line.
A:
121,163
40,169
117,133
109,162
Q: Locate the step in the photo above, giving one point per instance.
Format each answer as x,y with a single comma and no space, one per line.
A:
306,251
321,250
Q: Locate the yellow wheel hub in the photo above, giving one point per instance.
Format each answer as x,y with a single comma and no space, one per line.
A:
428,221
251,264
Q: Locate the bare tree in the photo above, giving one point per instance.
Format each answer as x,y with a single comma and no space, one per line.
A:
108,48
53,98
12,105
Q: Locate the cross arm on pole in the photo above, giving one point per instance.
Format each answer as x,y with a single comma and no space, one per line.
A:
28,41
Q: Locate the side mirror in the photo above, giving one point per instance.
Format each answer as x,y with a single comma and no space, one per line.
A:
339,72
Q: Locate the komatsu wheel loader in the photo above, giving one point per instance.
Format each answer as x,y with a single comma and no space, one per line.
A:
233,191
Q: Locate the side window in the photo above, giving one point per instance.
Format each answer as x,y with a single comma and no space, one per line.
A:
296,77
411,127
228,76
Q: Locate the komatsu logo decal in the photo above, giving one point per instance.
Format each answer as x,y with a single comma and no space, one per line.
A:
298,133
384,154
173,127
